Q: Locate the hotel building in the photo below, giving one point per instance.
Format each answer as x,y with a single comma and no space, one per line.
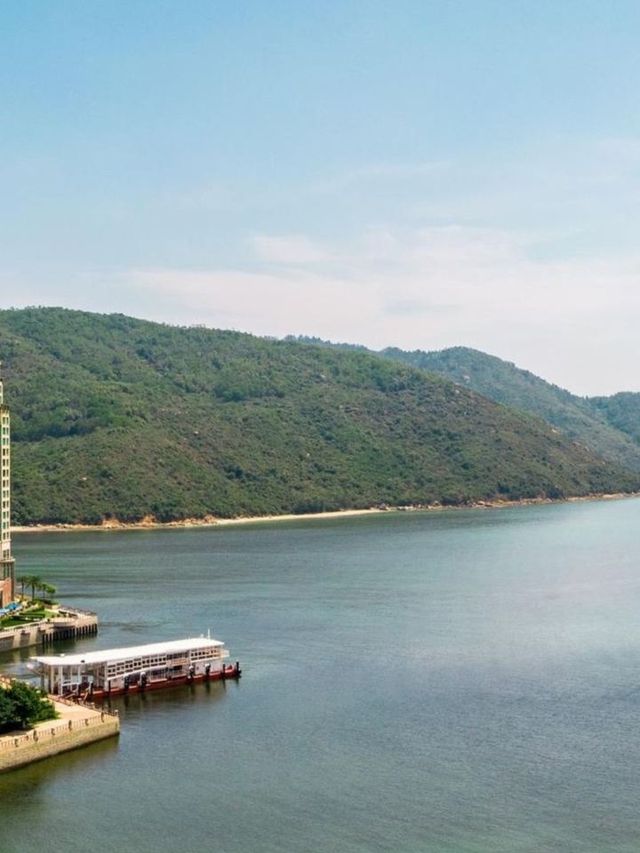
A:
7,574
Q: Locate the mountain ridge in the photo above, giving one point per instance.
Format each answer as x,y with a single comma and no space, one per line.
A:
122,418
606,425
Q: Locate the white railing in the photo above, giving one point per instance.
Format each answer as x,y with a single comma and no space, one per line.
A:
75,612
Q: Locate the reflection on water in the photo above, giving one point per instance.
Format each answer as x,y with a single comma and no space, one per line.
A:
24,782
131,706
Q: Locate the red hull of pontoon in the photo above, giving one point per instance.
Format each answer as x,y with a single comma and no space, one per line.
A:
230,672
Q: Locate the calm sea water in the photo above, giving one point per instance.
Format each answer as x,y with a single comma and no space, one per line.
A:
462,681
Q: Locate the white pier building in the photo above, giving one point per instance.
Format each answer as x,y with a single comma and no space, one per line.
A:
135,669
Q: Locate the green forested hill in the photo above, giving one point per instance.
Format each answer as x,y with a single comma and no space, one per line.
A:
622,411
606,424
118,417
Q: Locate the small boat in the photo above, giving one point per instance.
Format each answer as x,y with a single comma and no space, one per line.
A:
113,672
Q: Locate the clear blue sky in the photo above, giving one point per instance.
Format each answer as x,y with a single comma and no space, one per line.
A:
417,174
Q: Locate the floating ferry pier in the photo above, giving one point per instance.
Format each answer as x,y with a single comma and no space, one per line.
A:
112,672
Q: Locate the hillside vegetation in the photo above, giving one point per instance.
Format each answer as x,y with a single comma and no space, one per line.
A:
609,426
116,417
606,425
621,411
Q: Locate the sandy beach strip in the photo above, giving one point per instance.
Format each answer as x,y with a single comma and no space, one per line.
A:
150,523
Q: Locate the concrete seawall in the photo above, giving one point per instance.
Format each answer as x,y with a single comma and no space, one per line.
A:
76,727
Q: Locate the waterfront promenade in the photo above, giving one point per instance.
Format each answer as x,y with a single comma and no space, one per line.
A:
76,726
68,623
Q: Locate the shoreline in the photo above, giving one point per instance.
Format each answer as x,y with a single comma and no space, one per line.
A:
150,523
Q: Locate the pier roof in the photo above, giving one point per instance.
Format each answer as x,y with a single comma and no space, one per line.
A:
106,655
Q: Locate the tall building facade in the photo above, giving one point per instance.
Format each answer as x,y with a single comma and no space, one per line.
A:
7,572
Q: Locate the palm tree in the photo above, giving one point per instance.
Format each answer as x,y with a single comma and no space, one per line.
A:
35,582
48,590
25,580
